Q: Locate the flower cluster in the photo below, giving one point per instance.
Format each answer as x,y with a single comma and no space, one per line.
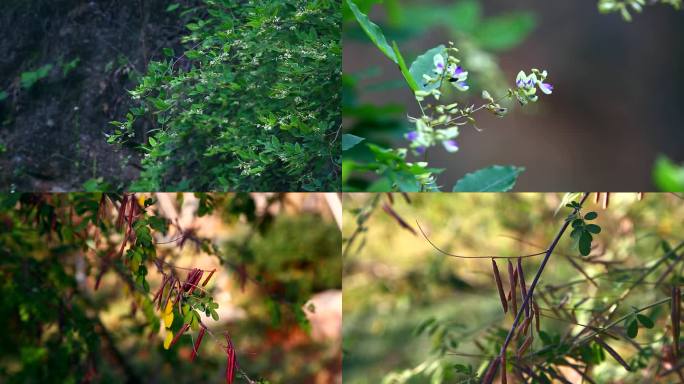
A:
526,86
426,136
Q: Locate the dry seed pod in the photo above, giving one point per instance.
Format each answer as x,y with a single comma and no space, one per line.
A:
523,287
400,220
613,353
675,315
513,277
231,363
209,277
197,344
524,326
491,371
504,379
526,344
179,334
499,286
537,315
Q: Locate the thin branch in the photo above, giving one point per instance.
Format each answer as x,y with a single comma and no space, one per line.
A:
472,257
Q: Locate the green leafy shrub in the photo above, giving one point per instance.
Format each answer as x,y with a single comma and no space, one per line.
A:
253,105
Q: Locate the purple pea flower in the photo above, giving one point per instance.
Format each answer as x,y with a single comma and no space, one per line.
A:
412,136
420,150
546,88
450,145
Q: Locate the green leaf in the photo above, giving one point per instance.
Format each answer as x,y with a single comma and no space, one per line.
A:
645,321
667,176
373,31
496,178
632,327
585,243
424,65
591,216
172,7
349,141
168,52
410,80
593,228
3,95
504,32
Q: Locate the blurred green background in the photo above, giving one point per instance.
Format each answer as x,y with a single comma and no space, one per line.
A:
397,280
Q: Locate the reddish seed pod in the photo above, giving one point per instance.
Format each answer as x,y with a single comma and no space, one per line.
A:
197,344
499,286
504,379
179,334
231,363
209,277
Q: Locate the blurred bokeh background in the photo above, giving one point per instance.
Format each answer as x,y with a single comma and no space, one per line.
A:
616,106
394,280
277,253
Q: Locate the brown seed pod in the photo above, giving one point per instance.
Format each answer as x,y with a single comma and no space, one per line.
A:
209,277
499,286
523,287
512,294
504,379
675,315
613,353
537,315
491,371
525,345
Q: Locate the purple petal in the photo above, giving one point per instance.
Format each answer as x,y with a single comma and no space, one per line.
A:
411,136
546,88
450,145
420,150
458,70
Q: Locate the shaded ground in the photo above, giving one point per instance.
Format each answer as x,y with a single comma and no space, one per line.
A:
52,133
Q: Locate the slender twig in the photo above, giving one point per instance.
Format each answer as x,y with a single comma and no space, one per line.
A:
473,257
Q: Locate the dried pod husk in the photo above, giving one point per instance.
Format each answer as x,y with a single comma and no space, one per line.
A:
122,212
675,315
208,277
537,315
524,327
231,363
613,353
402,223
499,286
512,294
523,288
488,377
504,379
606,200
525,345
195,347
